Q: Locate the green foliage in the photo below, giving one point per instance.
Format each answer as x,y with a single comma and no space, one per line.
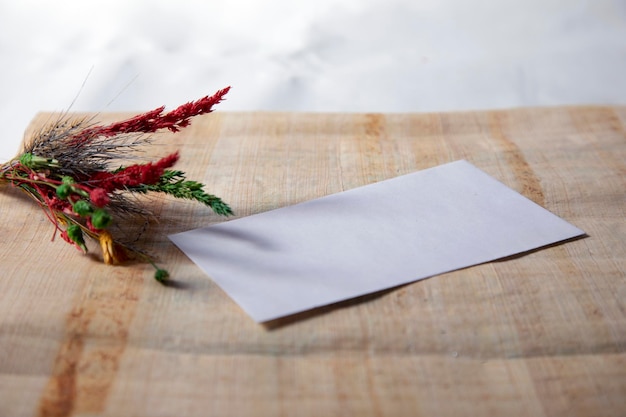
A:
33,161
101,219
176,184
75,234
82,208
161,275
64,190
26,159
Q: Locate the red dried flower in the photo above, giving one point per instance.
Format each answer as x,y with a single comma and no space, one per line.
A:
133,175
154,120
99,197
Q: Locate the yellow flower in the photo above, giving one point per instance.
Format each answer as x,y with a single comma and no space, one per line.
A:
112,252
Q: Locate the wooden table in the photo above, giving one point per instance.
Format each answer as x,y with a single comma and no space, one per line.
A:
542,334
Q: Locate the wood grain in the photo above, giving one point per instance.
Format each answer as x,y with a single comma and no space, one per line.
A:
543,334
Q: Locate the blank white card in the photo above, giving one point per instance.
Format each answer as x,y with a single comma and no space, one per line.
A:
368,239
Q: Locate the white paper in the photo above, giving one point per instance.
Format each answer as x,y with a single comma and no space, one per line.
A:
368,239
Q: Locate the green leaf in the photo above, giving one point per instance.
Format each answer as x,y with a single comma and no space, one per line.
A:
176,184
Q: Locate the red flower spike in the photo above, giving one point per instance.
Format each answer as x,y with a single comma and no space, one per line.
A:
133,175
154,120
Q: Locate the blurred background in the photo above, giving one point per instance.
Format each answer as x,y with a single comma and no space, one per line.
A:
322,55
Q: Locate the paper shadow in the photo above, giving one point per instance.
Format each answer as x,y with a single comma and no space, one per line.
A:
243,235
528,252
319,311
177,284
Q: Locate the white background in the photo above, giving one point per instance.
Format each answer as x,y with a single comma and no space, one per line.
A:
322,55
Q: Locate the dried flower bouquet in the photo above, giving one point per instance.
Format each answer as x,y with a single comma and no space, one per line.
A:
74,170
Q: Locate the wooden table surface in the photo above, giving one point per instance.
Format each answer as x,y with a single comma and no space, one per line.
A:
543,334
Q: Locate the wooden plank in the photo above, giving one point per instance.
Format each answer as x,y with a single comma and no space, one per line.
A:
542,334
